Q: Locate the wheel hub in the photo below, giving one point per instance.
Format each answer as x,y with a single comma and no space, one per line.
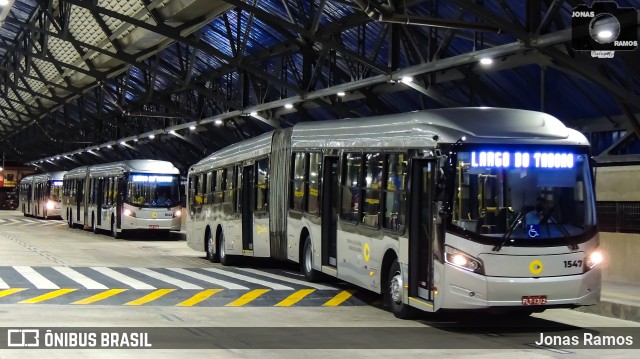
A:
395,288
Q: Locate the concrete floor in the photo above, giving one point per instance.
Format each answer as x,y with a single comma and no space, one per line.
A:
38,244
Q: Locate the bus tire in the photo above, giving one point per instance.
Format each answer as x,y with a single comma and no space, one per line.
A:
94,226
394,292
225,259
212,254
114,230
306,262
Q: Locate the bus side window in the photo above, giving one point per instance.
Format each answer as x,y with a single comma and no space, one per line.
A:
395,194
313,184
192,194
351,171
219,186
238,196
373,185
262,184
209,188
298,181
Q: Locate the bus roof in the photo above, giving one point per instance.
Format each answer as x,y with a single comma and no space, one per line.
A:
417,129
51,176
255,147
116,168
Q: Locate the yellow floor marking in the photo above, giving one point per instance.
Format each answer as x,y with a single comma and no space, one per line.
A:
47,296
205,294
100,296
150,297
247,298
6,292
340,298
295,298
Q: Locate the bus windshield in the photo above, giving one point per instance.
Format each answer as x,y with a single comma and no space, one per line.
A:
56,191
527,197
153,190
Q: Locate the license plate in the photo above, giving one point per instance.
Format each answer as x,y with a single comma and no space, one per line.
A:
154,226
534,300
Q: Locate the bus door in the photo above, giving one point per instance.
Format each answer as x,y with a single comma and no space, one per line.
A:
421,239
329,203
248,195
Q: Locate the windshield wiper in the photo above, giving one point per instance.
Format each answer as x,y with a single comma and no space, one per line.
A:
507,235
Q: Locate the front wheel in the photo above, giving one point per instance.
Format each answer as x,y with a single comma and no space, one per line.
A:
394,292
306,265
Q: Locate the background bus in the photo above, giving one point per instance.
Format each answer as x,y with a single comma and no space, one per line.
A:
430,208
41,195
135,195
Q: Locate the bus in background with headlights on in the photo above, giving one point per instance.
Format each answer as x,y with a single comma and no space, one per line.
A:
41,195
125,196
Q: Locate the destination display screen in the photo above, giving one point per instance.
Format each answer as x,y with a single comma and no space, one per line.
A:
522,159
57,183
152,179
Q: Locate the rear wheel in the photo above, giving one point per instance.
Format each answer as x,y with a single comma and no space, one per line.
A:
225,260
394,292
306,264
212,254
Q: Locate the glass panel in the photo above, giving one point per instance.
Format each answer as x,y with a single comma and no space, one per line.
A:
395,195
533,195
262,184
157,190
315,169
373,184
350,187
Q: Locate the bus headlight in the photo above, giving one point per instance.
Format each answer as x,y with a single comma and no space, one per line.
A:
462,260
50,205
593,259
177,213
129,213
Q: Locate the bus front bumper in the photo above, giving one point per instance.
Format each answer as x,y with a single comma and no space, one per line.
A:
169,224
466,290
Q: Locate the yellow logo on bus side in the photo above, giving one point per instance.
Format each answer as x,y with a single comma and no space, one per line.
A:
366,252
535,267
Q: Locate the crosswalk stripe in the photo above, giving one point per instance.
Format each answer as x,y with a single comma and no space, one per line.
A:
247,298
204,295
295,298
133,283
35,278
47,296
339,299
206,278
245,278
3,284
100,296
165,278
6,292
80,278
287,279
150,297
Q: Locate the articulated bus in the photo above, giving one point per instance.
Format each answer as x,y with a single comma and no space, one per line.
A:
41,195
466,208
124,196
